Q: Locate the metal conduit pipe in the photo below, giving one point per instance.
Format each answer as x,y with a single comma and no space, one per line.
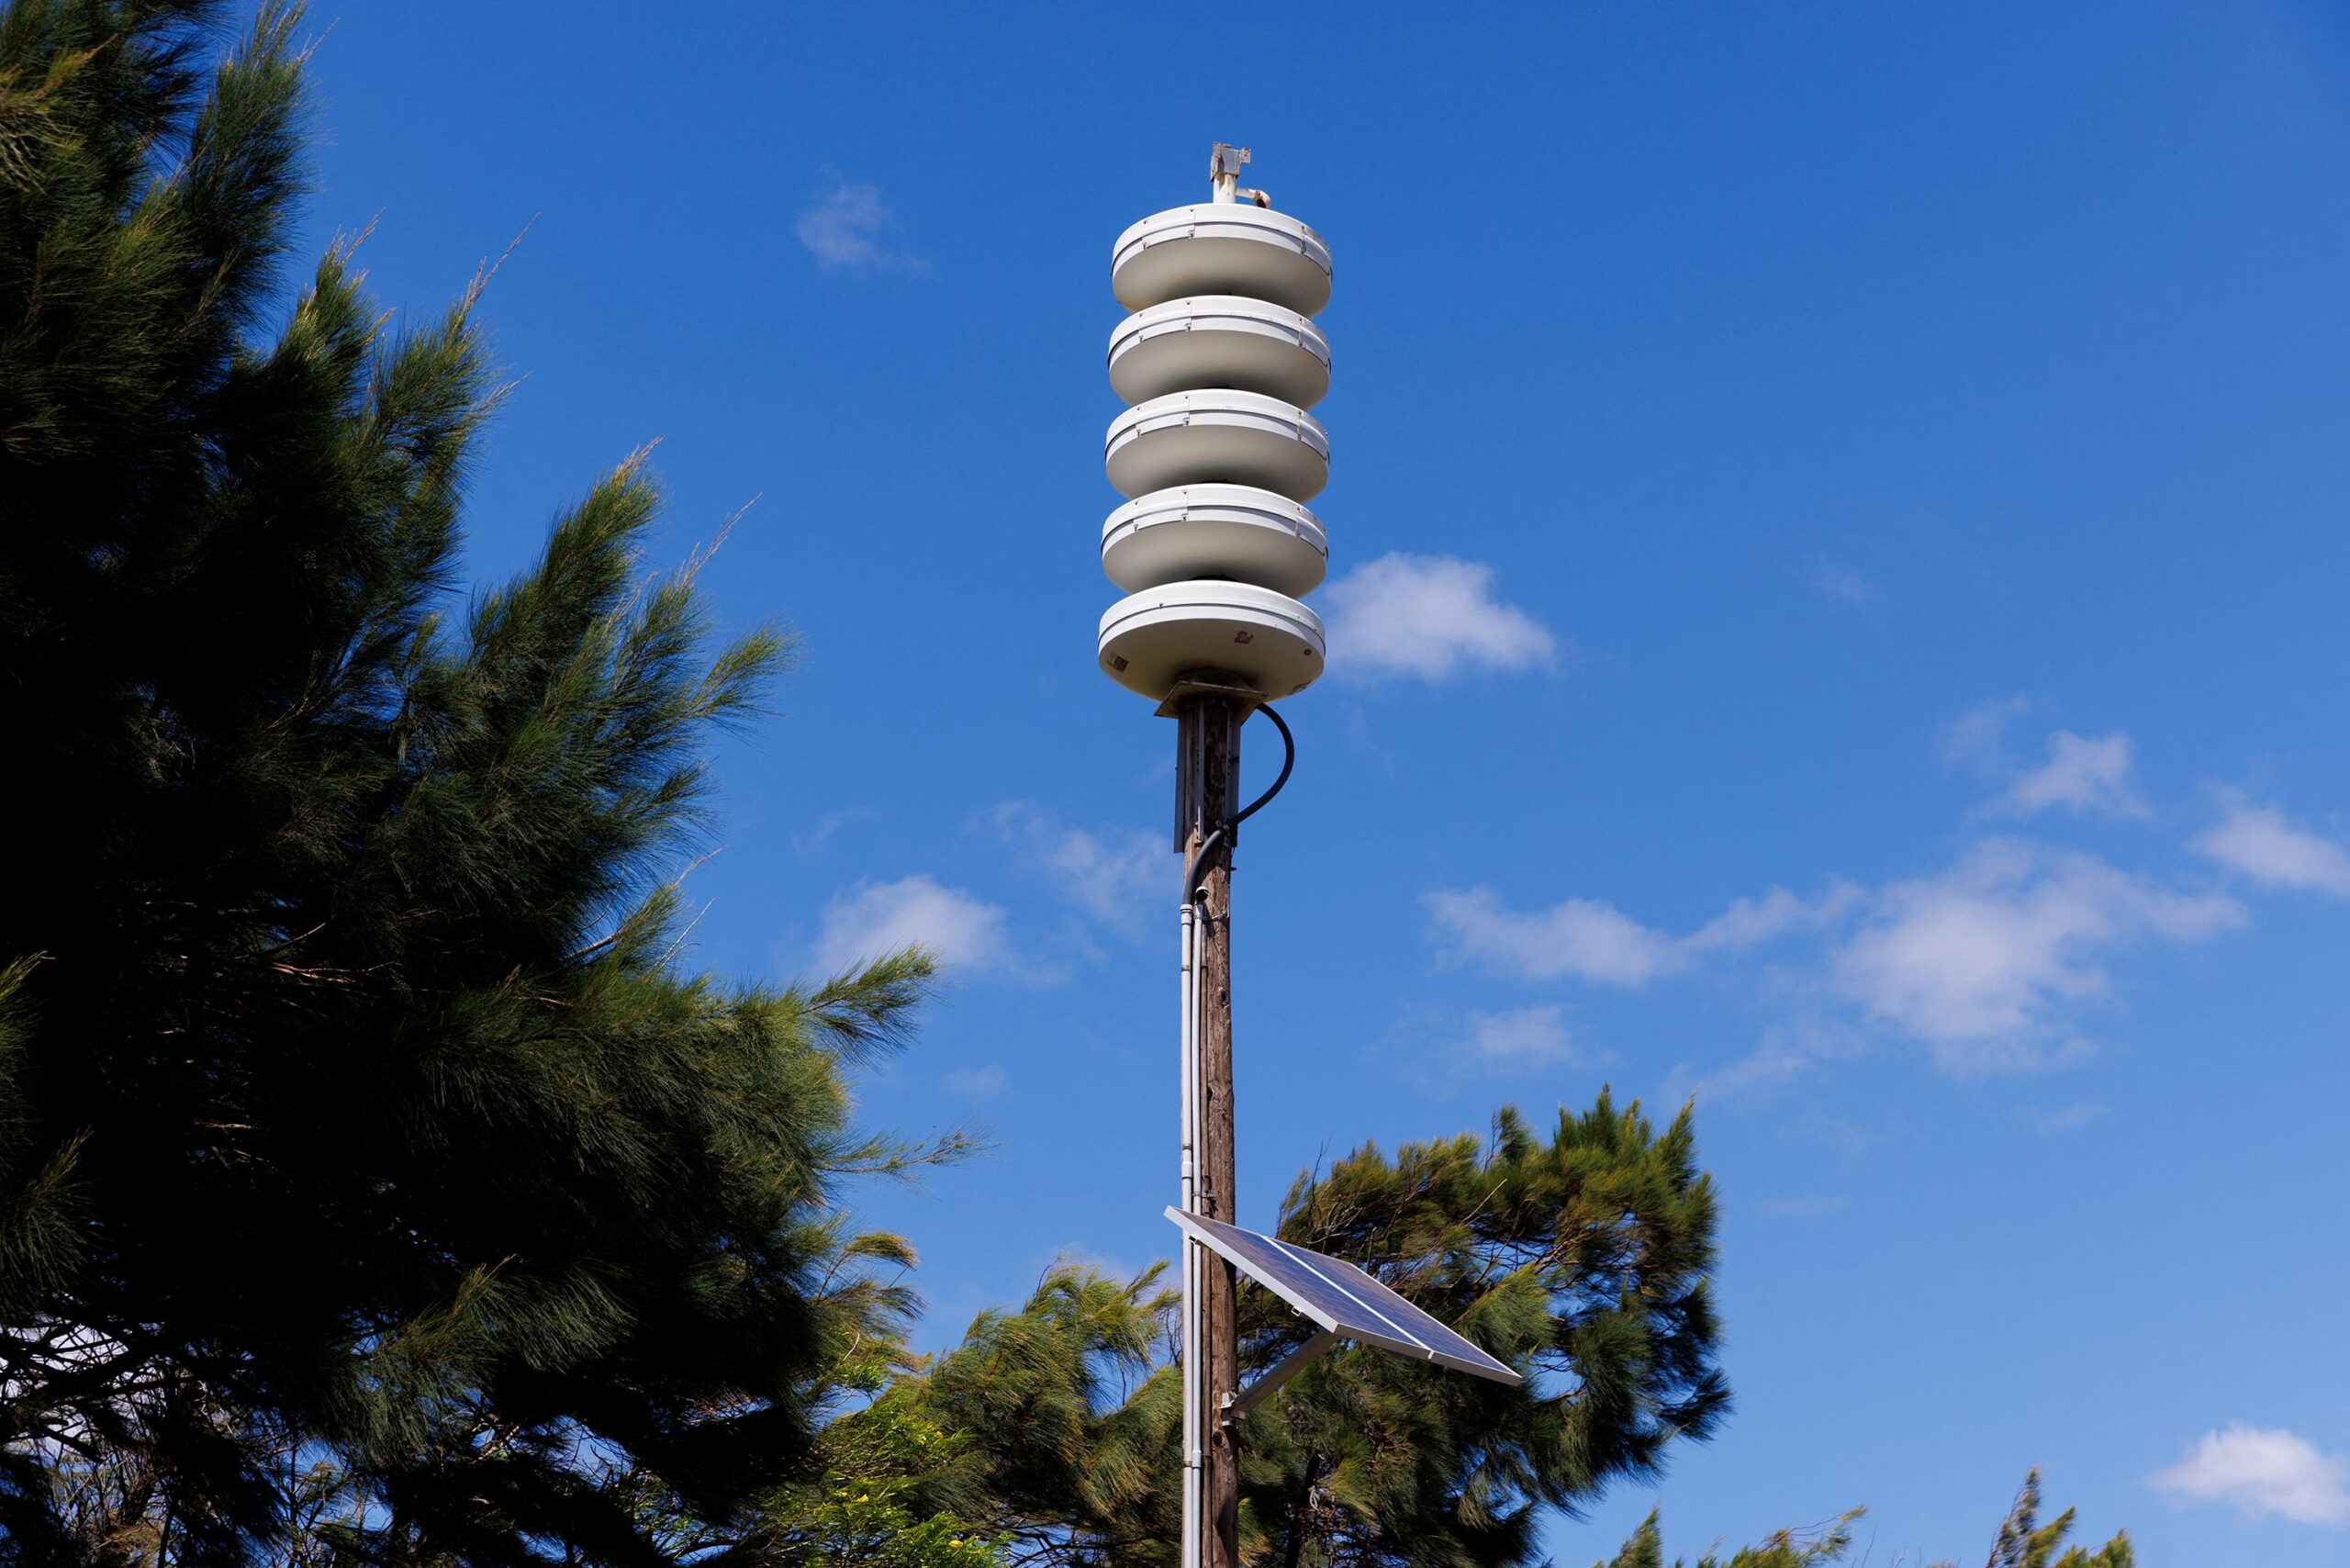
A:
1188,1012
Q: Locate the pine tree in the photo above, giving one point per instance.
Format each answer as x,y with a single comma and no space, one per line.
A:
1581,1258
372,1175
2021,1543
1815,1547
2024,1542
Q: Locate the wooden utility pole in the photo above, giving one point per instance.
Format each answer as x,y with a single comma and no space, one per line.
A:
1208,778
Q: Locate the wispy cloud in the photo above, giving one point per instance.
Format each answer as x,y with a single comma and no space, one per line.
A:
1112,874
2083,773
1428,618
1441,1054
1749,923
2260,842
2261,1472
1999,959
1990,962
1981,958
862,923
2080,773
2061,1119
1785,1053
1848,586
1578,938
975,1083
1976,739
1810,1207
814,840
1590,940
846,228
1522,1036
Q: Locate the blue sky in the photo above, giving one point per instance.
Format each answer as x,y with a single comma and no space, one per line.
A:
1839,551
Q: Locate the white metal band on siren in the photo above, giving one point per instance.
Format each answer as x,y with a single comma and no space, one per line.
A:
1218,436
1270,640
1216,531
1221,248
1219,340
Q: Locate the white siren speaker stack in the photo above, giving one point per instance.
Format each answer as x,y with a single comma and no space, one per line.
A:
1219,363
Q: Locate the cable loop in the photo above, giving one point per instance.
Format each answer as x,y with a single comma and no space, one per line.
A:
1204,861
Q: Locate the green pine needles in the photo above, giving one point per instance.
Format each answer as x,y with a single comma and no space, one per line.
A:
358,1127
2022,1542
1581,1257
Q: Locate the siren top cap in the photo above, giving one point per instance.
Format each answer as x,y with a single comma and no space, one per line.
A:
1221,248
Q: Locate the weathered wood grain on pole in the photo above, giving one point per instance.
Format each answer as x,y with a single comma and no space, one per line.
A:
1208,778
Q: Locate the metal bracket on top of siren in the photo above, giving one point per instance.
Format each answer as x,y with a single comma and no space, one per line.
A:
1209,683
1224,175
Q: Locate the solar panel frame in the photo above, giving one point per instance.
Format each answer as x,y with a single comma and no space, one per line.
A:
1341,1298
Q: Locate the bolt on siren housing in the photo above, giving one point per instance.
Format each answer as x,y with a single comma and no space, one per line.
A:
1218,453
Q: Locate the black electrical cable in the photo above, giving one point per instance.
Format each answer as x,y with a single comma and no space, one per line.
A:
1289,760
1204,861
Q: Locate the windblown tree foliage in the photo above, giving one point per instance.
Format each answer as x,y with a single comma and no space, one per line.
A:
1581,1258
1816,1548
2022,1542
371,1176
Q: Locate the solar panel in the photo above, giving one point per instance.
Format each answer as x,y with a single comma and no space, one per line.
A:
1340,1297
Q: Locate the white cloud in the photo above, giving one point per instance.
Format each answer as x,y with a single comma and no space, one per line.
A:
862,923
1590,940
844,229
2062,1119
1749,922
1431,617
2258,842
1994,949
1990,961
1581,937
975,1083
1111,875
1846,585
1440,1054
1522,1036
1976,739
2261,1472
1785,1053
1811,1208
2083,773
813,841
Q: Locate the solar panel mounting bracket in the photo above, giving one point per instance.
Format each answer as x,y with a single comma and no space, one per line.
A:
1236,1405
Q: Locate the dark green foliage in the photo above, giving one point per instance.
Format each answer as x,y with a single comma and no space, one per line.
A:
1813,1548
1581,1257
1076,1404
2022,1542
883,1497
356,1118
